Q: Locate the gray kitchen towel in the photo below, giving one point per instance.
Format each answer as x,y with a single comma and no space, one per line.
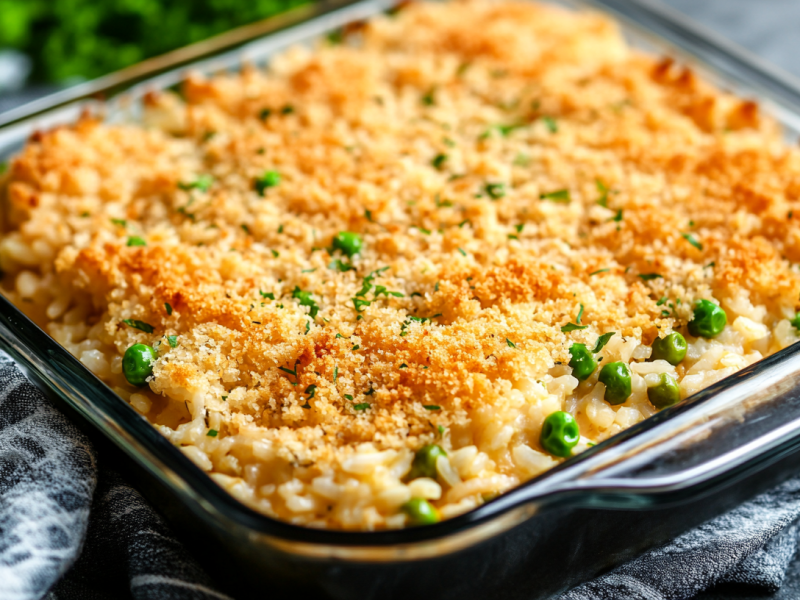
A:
70,530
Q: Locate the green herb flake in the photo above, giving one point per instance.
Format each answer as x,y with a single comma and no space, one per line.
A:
464,222
173,341
120,222
267,295
617,217
168,308
202,183
267,180
368,215
510,343
603,189
348,396
335,373
355,347
495,191
141,325
572,327
551,124
212,433
431,407
711,264
429,99
461,250
275,253
598,272
135,240
650,276
661,300
558,196
360,304
438,161
692,240
264,114
306,300
602,341
361,406
224,398
403,366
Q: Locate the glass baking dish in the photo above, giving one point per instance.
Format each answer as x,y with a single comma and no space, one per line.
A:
629,493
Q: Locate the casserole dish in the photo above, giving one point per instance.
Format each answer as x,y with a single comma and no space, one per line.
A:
600,471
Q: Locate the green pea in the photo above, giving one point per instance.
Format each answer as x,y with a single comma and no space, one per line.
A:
671,348
420,512
348,242
582,362
424,464
617,378
560,434
137,363
709,319
665,393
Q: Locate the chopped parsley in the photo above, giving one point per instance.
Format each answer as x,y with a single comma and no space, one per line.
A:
275,253
711,264
572,327
360,304
335,373
361,406
403,366
202,183
245,228
603,199
510,343
339,265
602,341
267,180
598,272
692,240
266,295
348,396
558,196
428,99
650,276
580,314
212,433
439,160
120,222
431,407
141,325
173,341
368,215
306,300
617,217
495,191
795,322
461,250
135,240
551,124
168,308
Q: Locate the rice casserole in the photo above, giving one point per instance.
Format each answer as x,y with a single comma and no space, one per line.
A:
394,241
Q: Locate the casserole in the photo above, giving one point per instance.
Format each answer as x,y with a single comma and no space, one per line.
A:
507,511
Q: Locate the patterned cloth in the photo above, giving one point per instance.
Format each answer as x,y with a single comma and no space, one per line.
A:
71,531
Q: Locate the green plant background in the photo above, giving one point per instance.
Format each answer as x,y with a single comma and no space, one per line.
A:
68,39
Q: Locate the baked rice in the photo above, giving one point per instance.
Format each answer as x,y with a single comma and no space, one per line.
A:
513,168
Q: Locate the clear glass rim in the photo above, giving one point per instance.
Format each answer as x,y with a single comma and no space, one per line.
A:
569,484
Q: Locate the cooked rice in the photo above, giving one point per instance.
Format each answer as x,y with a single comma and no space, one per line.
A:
665,175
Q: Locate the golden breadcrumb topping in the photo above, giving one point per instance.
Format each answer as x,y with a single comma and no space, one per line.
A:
510,168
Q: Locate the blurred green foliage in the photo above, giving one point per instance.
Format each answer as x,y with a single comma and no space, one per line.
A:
88,38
